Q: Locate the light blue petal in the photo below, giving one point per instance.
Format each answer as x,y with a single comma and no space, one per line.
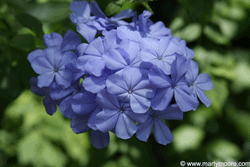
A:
203,97
107,100
87,32
107,119
185,101
204,82
158,78
45,80
70,41
162,133
139,104
116,85
173,112
125,127
162,99
144,129
65,107
84,103
53,39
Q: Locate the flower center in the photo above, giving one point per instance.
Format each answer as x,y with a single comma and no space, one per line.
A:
130,91
121,110
55,70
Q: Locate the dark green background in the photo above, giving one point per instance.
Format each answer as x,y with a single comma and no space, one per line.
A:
217,30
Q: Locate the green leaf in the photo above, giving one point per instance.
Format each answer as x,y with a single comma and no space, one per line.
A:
36,150
187,137
30,22
227,10
222,71
114,7
23,42
242,76
189,33
215,36
202,115
176,24
224,150
51,11
218,94
141,0
145,4
240,120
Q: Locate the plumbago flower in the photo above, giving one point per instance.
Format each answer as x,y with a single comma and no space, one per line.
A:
129,80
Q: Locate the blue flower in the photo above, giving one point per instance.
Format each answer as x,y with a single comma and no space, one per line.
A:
48,102
126,55
132,87
99,139
116,115
161,52
66,95
50,65
162,133
113,22
148,29
84,103
124,81
183,49
88,26
175,86
96,84
198,83
80,124
92,61
69,42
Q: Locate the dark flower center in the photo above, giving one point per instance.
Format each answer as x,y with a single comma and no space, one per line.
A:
121,110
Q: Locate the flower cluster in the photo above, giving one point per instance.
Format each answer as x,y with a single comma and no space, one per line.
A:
129,78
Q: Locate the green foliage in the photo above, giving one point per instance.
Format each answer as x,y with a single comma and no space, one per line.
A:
51,11
30,22
23,42
223,151
113,7
218,32
187,137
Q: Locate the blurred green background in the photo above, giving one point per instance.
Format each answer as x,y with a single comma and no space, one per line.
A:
217,30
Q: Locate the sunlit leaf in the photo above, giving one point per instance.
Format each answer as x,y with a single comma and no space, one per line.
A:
242,76
215,36
177,23
51,11
113,7
230,11
189,33
187,137
36,150
218,94
224,150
